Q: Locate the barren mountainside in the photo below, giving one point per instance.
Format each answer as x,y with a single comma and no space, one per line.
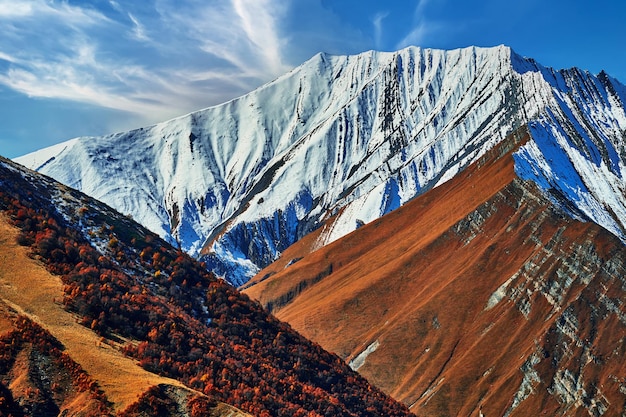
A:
350,138
450,224
482,297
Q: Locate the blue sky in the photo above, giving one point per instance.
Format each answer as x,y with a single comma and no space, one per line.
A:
72,68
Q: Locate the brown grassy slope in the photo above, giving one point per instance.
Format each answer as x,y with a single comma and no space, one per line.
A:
422,282
37,378
30,290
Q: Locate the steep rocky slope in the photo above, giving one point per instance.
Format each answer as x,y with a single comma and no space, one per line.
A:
357,135
481,297
97,293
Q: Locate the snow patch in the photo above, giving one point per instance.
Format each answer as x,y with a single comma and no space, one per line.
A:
38,159
359,360
498,294
530,379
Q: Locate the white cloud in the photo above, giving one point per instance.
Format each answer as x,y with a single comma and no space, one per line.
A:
259,20
115,5
13,9
7,57
158,58
421,29
241,36
377,21
79,54
416,36
49,10
139,30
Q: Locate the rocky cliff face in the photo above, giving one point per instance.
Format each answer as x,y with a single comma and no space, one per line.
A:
481,296
356,135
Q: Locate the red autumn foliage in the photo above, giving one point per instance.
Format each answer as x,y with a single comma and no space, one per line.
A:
191,326
157,401
40,341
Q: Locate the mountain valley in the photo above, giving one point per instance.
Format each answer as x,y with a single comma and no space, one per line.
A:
444,228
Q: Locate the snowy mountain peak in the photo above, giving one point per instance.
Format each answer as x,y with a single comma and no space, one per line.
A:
348,139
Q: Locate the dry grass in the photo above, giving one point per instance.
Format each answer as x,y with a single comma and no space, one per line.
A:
418,286
399,278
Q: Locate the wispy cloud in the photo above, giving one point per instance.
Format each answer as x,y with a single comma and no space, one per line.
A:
259,21
139,30
7,58
58,50
421,28
116,6
377,22
240,36
158,58
415,37
9,9
40,9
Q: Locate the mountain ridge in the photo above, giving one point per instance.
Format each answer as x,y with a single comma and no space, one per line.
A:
347,137
480,297
151,305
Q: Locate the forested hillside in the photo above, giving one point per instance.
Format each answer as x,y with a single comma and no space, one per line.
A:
161,307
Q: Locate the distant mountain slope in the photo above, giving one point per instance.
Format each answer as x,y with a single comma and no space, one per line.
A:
481,297
131,293
352,135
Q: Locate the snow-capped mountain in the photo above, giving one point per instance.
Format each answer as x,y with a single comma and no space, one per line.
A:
348,139
479,297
